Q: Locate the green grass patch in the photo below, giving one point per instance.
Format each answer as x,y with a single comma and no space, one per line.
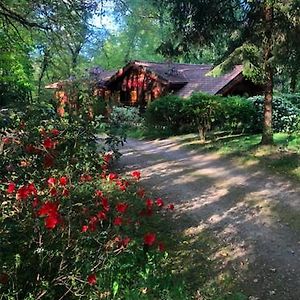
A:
282,158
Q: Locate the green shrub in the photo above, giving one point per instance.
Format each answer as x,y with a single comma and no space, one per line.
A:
236,114
166,114
126,117
285,117
201,111
293,98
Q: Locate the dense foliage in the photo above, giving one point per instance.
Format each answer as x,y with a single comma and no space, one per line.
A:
69,226
285,114
201,112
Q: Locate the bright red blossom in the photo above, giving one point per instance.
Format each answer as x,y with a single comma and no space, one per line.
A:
50,211
161,247
149,239
11,188
121,207
171,206
101,215
112,176
149,203
92,279
99,193
84,228
63,180
51,181
51,221
105,205
22,193
118,221
48,143
55,132
159,202
136,175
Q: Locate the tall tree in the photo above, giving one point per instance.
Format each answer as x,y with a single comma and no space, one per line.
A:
251,29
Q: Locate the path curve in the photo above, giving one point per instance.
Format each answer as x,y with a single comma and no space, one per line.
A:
235,204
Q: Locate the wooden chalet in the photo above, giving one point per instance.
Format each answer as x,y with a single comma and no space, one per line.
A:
140,82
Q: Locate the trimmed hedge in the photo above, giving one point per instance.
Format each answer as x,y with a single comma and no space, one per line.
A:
200,112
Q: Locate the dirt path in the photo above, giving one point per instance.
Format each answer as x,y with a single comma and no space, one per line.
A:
253,214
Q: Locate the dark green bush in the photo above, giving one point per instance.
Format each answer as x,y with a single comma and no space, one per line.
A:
236,114
201,113
293,98
166,114
285,114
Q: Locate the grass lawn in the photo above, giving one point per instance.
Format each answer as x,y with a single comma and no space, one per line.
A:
282,158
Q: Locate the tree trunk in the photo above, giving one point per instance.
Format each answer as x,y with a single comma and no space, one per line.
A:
44,66
293,83
267,136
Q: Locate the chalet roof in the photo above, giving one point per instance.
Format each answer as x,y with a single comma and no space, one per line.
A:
185,78
190,77
95,74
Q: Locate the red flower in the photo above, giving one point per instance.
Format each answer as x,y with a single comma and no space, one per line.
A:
86,178
53,192
122,242
136,175
32,189
105,204
6,140
55,132
51,221
63,180
126,241
47,209
107,157
92,279
84,228
22,193
121,207
48,143
101,215
159,202
171,206
92,223
118,221
51,181
11,188
112,176
99,193
149,203
149,239
35,202
65,193
121,185
161,247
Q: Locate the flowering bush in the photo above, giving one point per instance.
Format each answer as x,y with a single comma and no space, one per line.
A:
69,227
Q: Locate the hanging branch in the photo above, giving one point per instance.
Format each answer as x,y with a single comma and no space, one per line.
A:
8,13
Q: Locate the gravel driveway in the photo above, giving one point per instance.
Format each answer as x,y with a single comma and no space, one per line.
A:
245,210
